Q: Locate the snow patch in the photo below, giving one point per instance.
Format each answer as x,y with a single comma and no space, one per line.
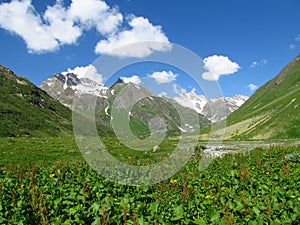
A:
291,102
106,111
21,82
129,114
182,130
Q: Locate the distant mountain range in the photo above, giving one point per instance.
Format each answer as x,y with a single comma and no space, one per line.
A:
68,86
272,112
65,87
215,109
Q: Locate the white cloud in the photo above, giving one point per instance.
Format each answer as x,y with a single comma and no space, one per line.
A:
134,79
60,25
162,94
297,38
89,71
19,17
292,46
58,28
258,63
254,64
263,61
252,87
95,13
217,66
162,77
145,36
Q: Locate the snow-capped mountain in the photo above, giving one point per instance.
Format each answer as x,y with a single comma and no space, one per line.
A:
66,87
192,101
214,109
63,87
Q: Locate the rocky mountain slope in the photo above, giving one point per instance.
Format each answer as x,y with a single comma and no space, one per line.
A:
65,87
212,109
26,110
273,111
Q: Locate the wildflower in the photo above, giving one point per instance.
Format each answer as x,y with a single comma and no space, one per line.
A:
207,197
129,157
51,175
173,181
267,172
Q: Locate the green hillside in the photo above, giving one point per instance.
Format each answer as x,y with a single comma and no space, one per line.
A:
26,110
154,107
273,112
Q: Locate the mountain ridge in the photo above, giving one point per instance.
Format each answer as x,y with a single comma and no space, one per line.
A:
141,114
272,112
26,110
215,109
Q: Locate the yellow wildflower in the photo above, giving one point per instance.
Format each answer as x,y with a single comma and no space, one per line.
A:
51,175
207,197
173,181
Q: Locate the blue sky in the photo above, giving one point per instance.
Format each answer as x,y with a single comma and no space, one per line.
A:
250,41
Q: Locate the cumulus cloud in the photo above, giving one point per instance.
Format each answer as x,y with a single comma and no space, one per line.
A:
61,28
217,66
292,46
258,63
19,17
148,37
133,79
95,13
89,71
60,25
254,64
252,87
162,77
46,32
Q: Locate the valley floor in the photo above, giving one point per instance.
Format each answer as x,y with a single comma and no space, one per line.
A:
250,187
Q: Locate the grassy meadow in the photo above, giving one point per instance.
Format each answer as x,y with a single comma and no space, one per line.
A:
47,181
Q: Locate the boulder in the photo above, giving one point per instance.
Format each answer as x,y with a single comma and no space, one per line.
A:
156,148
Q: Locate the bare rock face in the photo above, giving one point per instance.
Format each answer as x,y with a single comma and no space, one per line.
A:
66,87
156,148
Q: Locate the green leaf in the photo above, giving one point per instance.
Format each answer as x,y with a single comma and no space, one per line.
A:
72,211
178,211
256,211
253,222
67,202
199,222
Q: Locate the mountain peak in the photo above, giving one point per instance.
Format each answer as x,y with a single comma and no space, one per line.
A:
63,86
211,108
7,72
118,81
